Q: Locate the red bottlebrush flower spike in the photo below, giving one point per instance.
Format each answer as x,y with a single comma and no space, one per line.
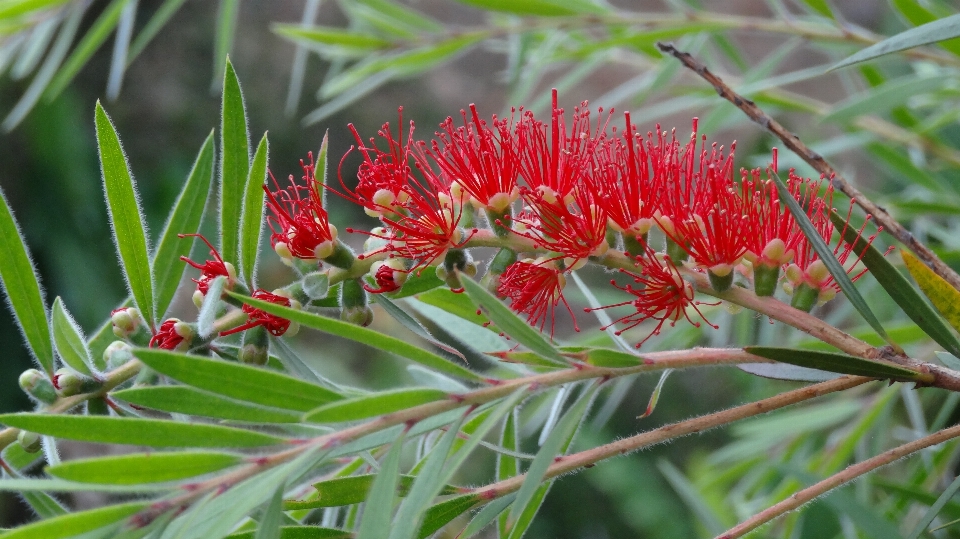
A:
276,325
703,210
627,179
660,294
210,269
299,223
382,177
389,275
556,166
172,335
576,230
772,228
482,161
535,289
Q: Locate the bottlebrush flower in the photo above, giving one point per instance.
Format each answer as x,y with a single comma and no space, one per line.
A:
576,230
382,177
172,335
555,166
276,325
300,224
480,159
660,294
210,269
535,288
389,276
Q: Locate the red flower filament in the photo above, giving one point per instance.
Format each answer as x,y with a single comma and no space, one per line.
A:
535,289
300,224
275,325
210,269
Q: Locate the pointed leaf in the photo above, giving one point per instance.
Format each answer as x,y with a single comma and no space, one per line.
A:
238,381
939,30
135,431
143,467
71,344
605,357
418,282
509,322
943,296
507,467
543,8
836,362
363,335
829,259
234,162
269,526
900,289
126,218
350,490
378,510
207,317
22,287
190,401
45,505
655,395
488,514
184,218
375,404
442,513
301,532
74,524
251,221
781,371
327,35
413,325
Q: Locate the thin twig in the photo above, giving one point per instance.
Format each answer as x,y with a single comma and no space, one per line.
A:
816,161
849,474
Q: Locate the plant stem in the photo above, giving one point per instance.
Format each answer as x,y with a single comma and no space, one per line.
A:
816,161
836,480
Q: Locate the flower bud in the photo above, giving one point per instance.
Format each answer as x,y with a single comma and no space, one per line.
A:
361,316
125,321
255,347
197,298
817,272
67,382
116,354
29,441
38,386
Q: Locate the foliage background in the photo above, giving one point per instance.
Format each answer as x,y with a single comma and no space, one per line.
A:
49,171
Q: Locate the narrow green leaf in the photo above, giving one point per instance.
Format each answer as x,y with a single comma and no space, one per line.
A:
378,510
655,395
363,335
418,282
157,21
413,325
526,516
251,220
269,526
459,305
190,401
488,514
782,371
543,8
184,218
692,497
83,51
223,39
820,6
509,322
939,30
71,344
350,490
507,467
442,513
75,523
553,446
301,532
22,287
143,467
45,505
943,296
900,289
605,357
882,98
836,362
326,35
234,161
238,381
210,307
126,218
136,431
59,485
829,259
379,403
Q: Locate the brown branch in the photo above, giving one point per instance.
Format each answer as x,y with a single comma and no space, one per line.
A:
817,162
852,472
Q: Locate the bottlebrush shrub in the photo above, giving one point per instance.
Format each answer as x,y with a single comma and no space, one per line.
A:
249,440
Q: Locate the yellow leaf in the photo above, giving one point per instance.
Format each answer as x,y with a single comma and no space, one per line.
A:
943,296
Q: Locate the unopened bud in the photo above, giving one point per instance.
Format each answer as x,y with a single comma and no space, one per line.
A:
818,272
67,382
38,386
283,251
125,321
325,249
775,252
29,441
255,347
198,298
116,354
361,316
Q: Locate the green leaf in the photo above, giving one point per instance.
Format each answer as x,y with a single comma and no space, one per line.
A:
883,98
136,431
418,282
71,344
75,523
900,289
143,467
363,335
509,322
378,510
783,371
820,6
605,357
45,505
413,325
269,526
223,39
190,401
939,30
161,16
486,515
325,35
507,467
442,513
238,381
126,218
543,8
301,532
554,445
22,286
375,404
836,362
251,220
184,218
829,259
59,485
691,497
459,305
234,162
207,317
350,490
943,296
83,51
